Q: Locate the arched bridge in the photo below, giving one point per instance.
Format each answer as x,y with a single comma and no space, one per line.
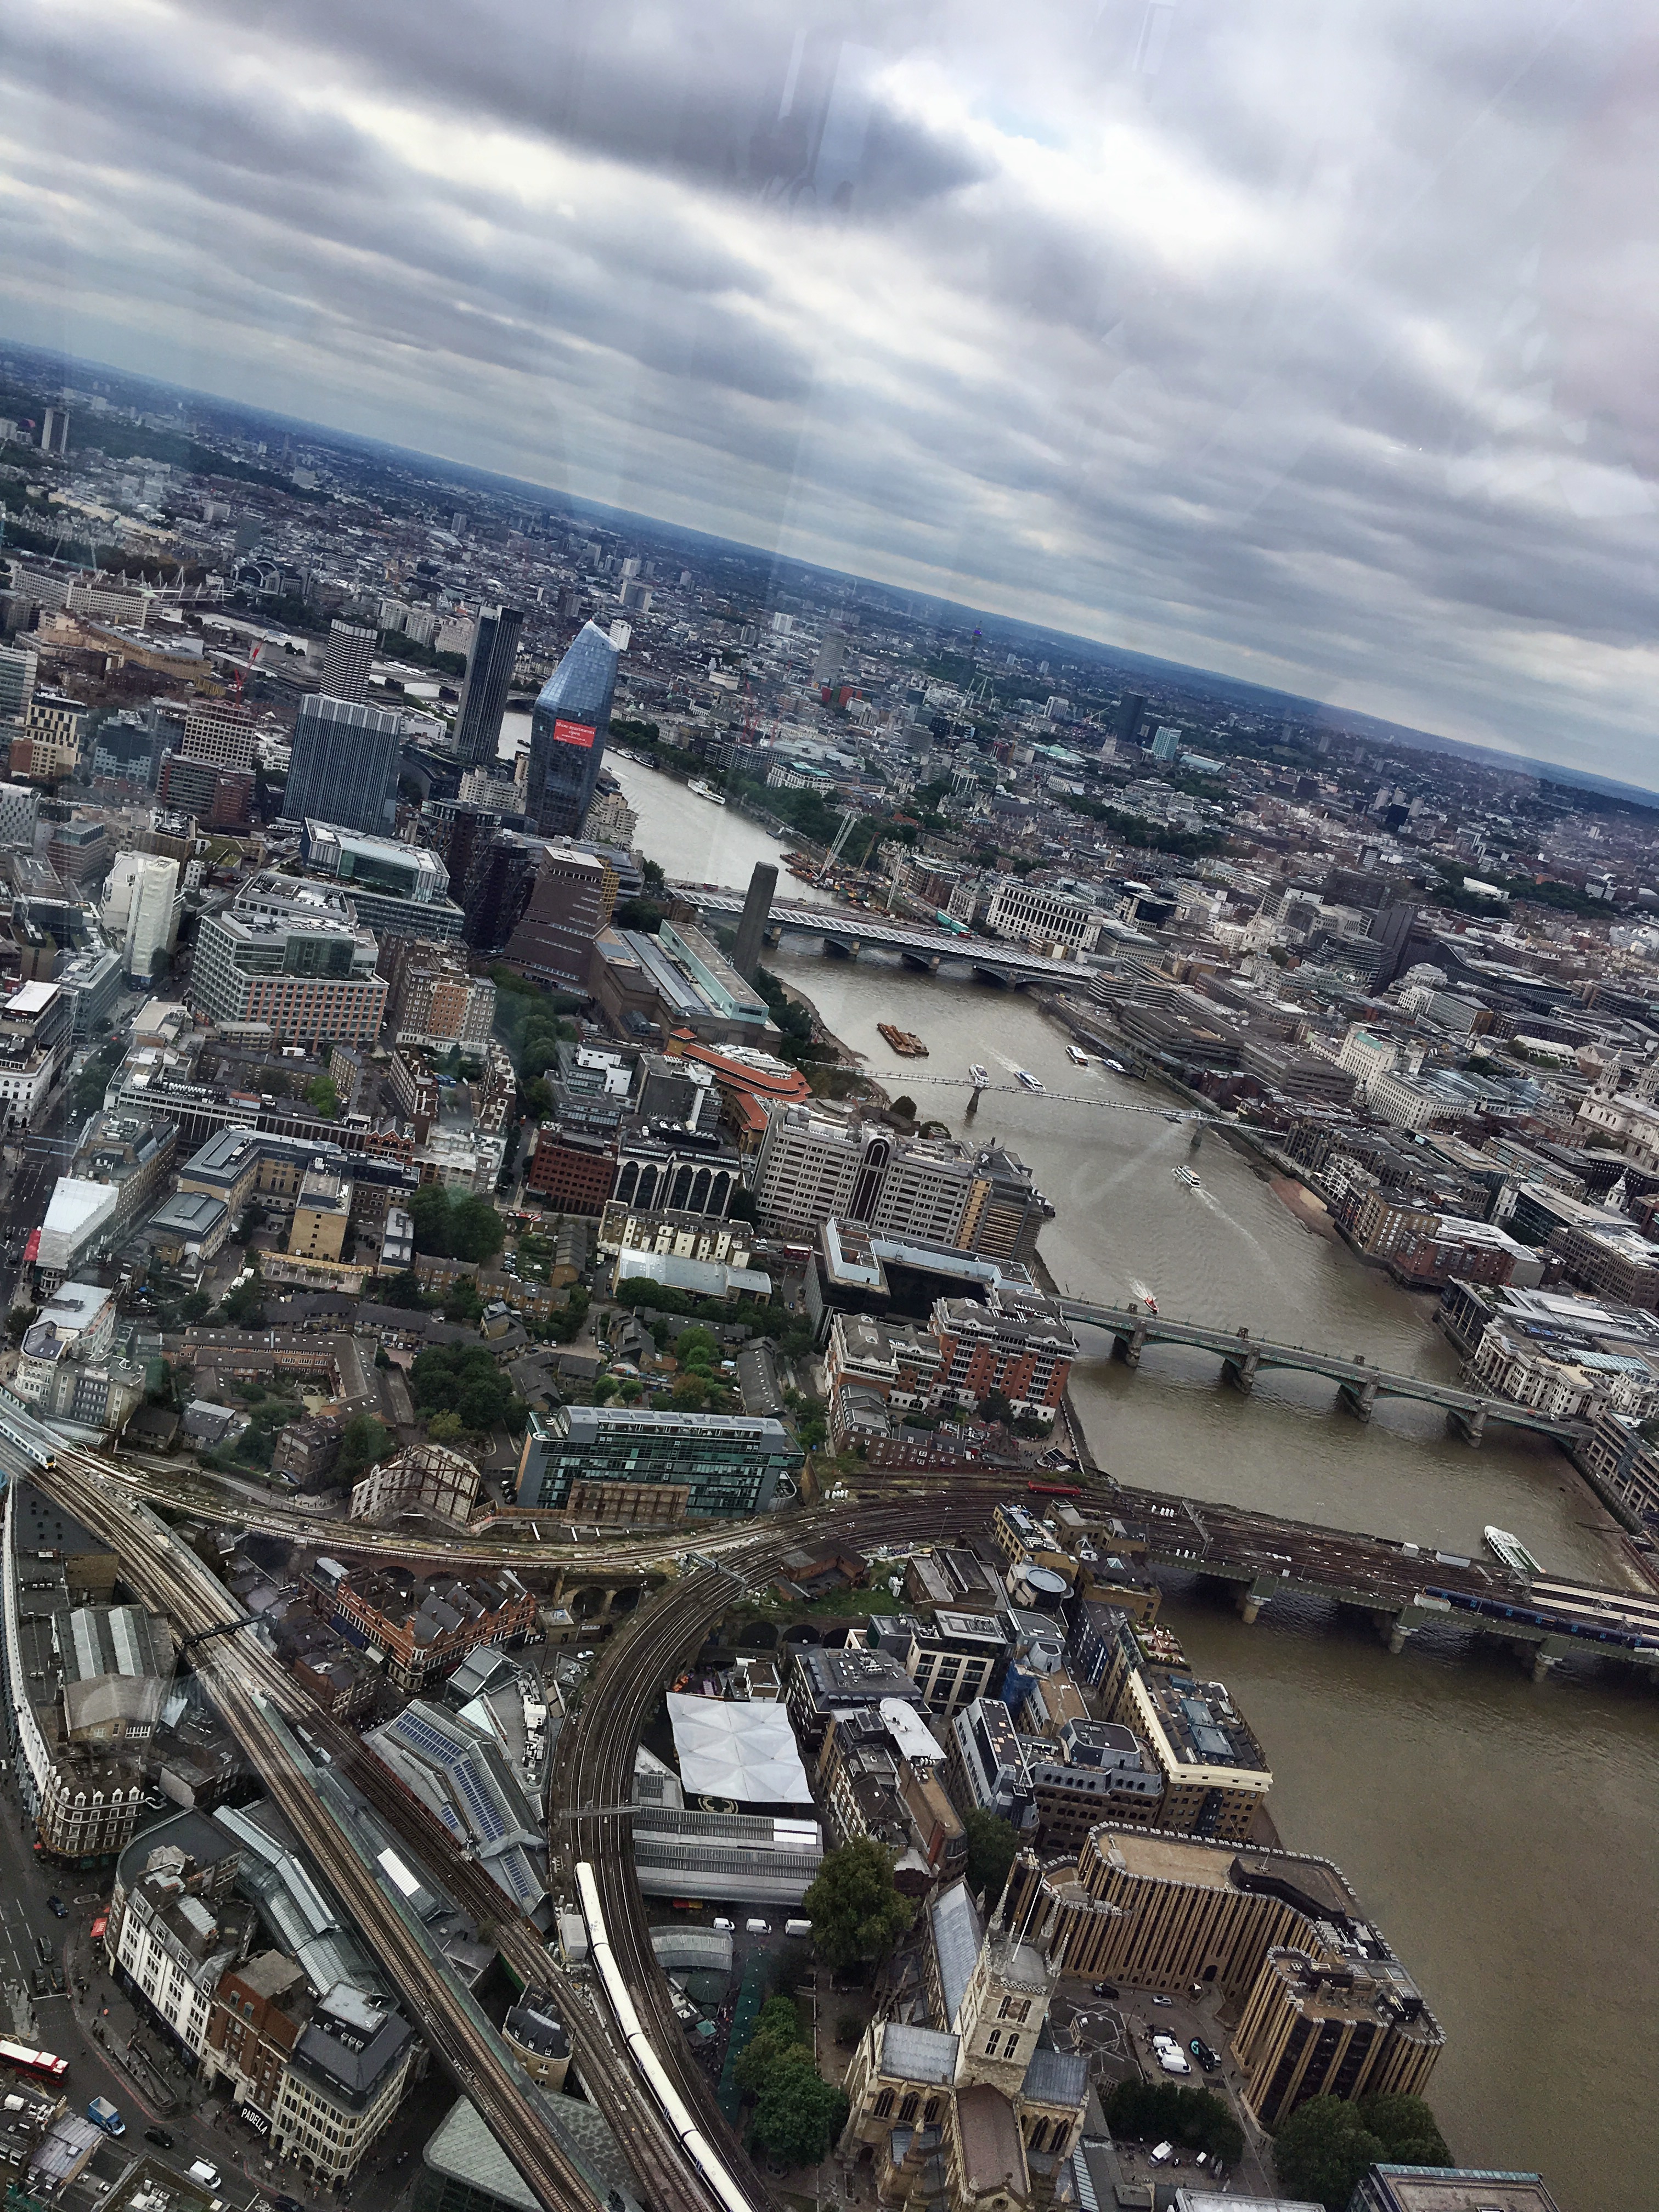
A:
1358,1383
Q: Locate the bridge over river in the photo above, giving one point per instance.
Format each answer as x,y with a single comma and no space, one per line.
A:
848,931
1358,1383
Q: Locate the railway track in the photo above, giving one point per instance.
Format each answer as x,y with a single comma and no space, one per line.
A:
596,1770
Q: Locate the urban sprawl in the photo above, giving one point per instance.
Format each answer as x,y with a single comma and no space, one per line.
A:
563,1641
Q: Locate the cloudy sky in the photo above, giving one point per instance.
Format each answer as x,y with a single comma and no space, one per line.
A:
1314,344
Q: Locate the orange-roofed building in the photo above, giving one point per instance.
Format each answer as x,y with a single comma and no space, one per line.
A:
750,1083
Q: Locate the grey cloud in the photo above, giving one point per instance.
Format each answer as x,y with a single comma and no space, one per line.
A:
1232,361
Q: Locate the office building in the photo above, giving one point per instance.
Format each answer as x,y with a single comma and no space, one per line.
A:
347,659
154,905
214,798
1035,914
78,852
751,927
1451,2189
434,1000
18,666
567,734
620,1463
220,731
396,889
36,1024
1323,2005
128,747
1215,1772
300,963
488,680
343,765
20,810
987,1768
1131,707
1096,1771
570,902
809,1170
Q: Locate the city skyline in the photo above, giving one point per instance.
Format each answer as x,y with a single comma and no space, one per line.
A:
1293,351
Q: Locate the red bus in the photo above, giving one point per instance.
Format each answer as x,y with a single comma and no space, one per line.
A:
42,2064
1055,1489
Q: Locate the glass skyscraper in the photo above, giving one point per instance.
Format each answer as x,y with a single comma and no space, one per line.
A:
567,734
488,680
344,765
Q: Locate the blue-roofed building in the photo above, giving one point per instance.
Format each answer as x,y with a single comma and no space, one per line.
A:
464,1778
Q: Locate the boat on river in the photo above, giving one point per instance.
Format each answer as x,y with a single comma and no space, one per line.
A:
1077,1057
705,791
977,1075
1185,1175
1512,1552
1031,1082
905,1042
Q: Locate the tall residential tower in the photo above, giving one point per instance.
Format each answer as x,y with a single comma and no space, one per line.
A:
488,680
567,734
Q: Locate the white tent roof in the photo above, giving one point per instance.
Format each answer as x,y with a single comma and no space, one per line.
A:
742,1750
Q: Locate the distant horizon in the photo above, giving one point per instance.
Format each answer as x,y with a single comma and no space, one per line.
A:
951,613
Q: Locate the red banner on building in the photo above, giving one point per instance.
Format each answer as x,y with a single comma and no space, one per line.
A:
574,734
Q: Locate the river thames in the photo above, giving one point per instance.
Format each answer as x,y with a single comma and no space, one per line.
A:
1501,1830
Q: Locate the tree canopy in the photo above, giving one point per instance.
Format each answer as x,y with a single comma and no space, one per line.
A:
798,2114
1328,2146
992,1843
462,1379
856,1910
454,1225
1161,2111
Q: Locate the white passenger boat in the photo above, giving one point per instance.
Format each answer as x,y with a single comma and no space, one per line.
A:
1512,1552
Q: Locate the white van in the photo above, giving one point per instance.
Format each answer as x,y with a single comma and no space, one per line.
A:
757,1927
798,1928
1162,2153
206,2174
1174,2061
728,1925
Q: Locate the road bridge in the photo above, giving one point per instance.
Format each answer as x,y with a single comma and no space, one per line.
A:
1359,1384
847,932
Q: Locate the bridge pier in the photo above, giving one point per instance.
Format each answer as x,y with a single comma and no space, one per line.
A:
1239,1369
1394,1628
927,963
1546,1654
1128,1348
1252,1596
1470,1427
843,948
1360,1398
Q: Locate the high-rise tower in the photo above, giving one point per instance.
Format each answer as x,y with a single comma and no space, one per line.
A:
488,680
567,734
344,765
347,659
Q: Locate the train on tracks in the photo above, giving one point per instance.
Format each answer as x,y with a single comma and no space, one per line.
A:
1632,1627
721,2183
19,1442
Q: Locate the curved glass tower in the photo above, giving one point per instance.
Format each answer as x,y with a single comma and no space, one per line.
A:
567,734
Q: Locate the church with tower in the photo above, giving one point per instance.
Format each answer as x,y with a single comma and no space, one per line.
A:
967,2102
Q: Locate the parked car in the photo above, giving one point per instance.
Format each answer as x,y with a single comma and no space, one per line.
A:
1105,1989
1208,2059
57,1908
1163,2000
159,2137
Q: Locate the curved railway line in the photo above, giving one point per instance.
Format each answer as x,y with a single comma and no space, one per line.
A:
267,1710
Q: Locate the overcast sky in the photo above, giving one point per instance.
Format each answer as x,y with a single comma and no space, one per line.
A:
1312,344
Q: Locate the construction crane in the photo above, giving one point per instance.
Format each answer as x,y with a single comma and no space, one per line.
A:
848,818
242,674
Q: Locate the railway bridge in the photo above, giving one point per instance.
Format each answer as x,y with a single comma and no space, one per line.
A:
1359,1384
